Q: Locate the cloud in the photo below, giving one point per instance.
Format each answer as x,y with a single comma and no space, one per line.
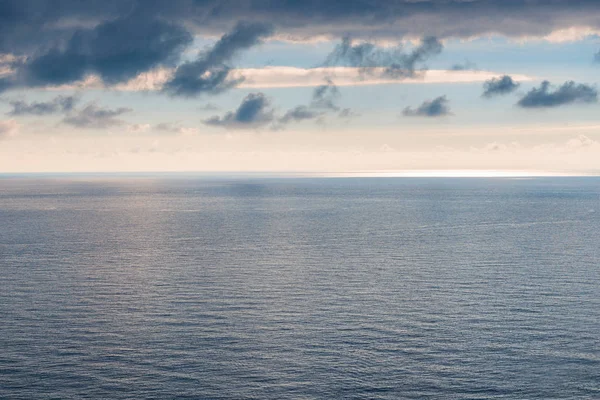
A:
8,128
348,113
254,111
465,66
581,142
174,128
392,63
209,107
60,104
300,113
323,101
138,128
325,96
116,51
286,76
499,86
210,72
94,117
30,26
437,107
567,93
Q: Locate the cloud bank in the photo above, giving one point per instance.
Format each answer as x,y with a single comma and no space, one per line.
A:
22,21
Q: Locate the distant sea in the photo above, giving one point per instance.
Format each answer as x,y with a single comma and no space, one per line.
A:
304,288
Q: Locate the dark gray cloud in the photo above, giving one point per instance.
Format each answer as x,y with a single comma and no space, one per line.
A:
254,111
60,104
391,63
568,93
499,86
210,72
116,51
437,107
95,117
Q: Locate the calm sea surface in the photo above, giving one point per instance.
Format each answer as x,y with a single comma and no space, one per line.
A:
190,288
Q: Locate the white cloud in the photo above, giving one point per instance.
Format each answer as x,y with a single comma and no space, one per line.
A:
284,77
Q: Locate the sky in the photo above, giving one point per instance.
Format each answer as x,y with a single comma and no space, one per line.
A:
336,86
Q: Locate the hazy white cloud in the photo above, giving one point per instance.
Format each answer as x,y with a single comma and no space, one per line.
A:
8,128
175,128
138,128
285,77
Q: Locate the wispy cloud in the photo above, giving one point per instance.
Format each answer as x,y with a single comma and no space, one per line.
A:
174,128
390,63
60,104
210,73
95,117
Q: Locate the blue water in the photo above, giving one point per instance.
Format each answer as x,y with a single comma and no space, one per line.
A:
140,287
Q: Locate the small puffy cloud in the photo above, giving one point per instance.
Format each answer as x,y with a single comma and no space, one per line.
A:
8,128
94,117
499,86
60,104
568,93
255,111
210,73
437,107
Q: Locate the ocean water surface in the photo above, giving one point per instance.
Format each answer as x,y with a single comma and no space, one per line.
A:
329,288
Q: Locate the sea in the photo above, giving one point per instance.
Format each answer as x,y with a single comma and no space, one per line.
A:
216,287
